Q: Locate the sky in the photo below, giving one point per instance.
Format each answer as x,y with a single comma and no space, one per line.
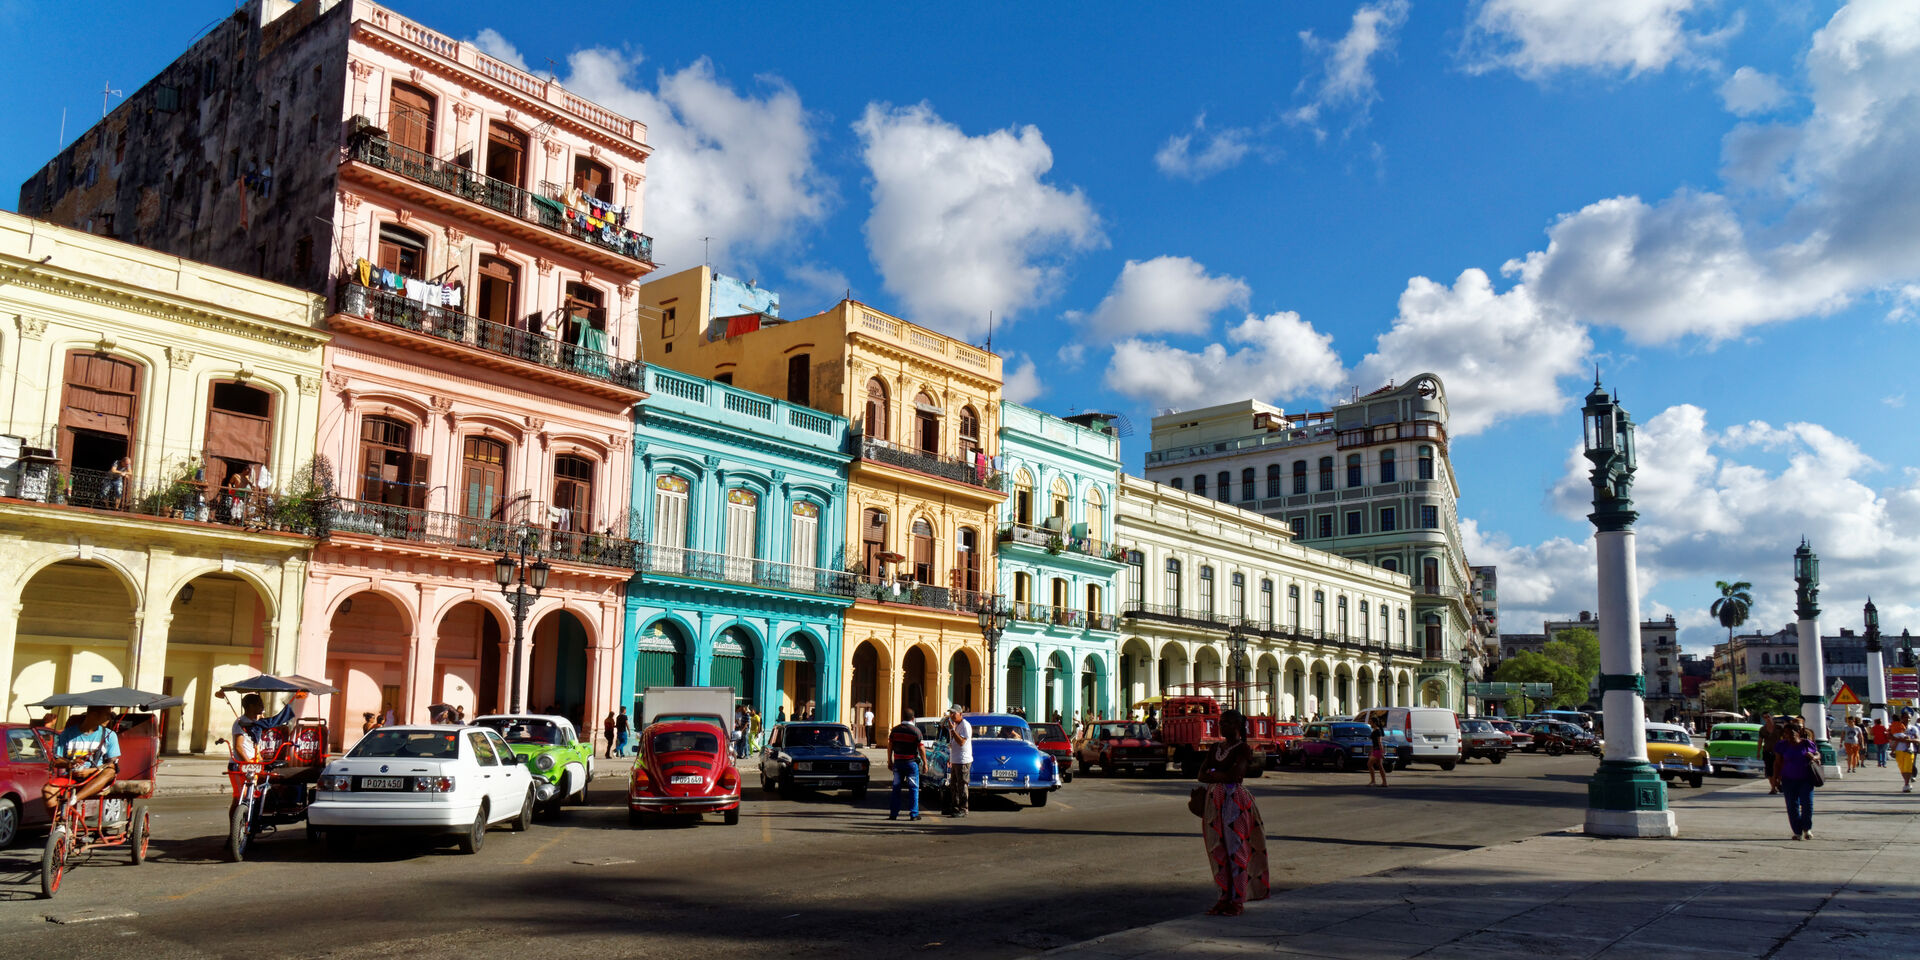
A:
1717,204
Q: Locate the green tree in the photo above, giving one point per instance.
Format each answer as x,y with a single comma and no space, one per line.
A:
1569,687
1718,695
1578,649
1770,696
1736,601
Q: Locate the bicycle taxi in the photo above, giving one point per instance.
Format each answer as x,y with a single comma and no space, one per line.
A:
115,813
274,787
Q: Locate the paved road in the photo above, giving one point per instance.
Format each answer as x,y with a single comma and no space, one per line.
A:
815,877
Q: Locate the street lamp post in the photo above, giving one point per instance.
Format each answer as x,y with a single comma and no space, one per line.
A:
517,573
1813,670
1237,648
1626,797
1876,666
993,623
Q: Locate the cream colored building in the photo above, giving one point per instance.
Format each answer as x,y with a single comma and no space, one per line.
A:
157,574
1324,634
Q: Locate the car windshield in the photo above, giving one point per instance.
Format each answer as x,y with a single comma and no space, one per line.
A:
1351,730
1736,735
816,736
1114,731
435,744
1668,736
1286,729
525,729
1048,731
1000,731
1475,726
675,741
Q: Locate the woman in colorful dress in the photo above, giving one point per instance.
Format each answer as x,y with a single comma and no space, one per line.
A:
1230,823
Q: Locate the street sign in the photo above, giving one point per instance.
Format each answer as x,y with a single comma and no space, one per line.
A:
1844,697
1902,682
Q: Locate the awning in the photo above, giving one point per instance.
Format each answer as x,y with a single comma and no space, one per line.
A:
265,683
126,697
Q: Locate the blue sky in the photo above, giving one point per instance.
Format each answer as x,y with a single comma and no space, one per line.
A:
1363,191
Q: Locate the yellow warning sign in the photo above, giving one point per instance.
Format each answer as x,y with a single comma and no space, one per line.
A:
1844,697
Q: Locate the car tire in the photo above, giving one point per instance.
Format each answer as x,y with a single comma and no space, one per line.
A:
339,841
476,835
9,821
636,819
732,817
785,788
1496,758
1402,764
859,794
525,819
1697,780
1340,762
1085,768
1038,797
1446,764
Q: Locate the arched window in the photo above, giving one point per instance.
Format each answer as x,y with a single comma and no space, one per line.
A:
1426,463
1096,514
593,179
1340,615
1430,573
1355,472
507,163
1384,634
573,493
1246,484
1225,489
1273,480
1266,601
1401,616
1390,564
922,551
1059,499
1765,659
875,422
926,421
1293,606
1326,473
1179,483
1387,474
483,478
239,430
669,520
1320,612
1023,498
1173,584
1206,590
1299,476
803,534
873,543
390,473
969,431
743,534
410,118
1366,622
1239,582
402,251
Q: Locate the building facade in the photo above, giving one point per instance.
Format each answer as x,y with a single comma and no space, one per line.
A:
923,494
156,503
743,581
1216,593
1058,564
1666,696
1369,479
475,231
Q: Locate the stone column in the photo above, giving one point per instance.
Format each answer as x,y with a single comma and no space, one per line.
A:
1876,667
1813,668
9,634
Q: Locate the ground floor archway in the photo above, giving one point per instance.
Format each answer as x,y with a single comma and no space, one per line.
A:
558,683
75,631
963,681
660,659
799,680
735,657
916,678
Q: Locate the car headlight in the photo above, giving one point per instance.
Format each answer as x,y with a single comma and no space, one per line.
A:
543,762
859,766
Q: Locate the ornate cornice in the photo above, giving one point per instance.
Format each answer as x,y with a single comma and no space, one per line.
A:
99,293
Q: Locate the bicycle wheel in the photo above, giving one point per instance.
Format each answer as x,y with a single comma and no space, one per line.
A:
53,860
142,832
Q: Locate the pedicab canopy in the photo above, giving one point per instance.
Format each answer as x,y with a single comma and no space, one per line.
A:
119,698
266,683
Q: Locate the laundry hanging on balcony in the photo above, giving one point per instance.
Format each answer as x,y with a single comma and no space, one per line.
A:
423,292
592,355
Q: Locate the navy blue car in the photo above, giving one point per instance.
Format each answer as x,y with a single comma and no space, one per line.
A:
1005,760
1345,746
812,756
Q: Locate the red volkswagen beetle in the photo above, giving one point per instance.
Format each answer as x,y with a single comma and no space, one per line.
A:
684,767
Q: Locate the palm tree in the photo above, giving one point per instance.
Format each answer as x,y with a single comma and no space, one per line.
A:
1731,610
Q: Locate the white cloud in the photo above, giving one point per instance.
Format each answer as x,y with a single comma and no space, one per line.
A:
1345,67
1500,354
499,47
1163,295
1895,400
1906,303
1022,384
966,225
1280,355
1749,91
1222,149
1537,38
1072,355
735,167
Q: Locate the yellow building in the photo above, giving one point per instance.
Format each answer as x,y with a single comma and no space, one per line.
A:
155,417
922,492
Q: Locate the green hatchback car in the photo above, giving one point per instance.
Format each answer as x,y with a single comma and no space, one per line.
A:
1735,748
561,763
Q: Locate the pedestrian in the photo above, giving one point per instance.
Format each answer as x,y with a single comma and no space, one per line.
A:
368,723
1880,736
1770,735
460,715
1377,752
622,727
1905,744
608,730
386,715
1850,739
1153,720
906,751
117,478
869,725
959,761
1799,762
1230,823
812,711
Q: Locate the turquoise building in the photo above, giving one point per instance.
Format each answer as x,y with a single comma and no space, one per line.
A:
1058,564
742,582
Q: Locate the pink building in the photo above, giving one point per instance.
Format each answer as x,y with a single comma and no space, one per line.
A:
476,230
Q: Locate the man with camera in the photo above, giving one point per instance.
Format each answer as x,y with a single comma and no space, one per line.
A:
959,760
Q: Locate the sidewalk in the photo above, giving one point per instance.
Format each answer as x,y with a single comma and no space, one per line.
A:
1733,885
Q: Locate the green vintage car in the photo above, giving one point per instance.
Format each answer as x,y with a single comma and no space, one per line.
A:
1735,748
561,762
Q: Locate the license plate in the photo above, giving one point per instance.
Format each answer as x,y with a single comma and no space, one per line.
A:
687,778
383,783
1003,775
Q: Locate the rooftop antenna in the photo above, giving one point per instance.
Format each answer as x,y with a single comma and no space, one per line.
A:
989,331
107,93
63,129
551,74
706,248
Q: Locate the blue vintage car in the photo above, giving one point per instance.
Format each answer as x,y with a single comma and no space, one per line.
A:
1005,760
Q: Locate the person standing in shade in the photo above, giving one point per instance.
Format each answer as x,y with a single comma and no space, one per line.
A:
1799,758
906,751
1377,752
621,727
1230,824
1769,735
869,724
1880,736
607,728
959,761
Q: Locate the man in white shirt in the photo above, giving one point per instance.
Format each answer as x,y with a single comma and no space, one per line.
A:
867,731
959,761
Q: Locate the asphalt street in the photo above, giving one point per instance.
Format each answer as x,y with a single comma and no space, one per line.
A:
813,877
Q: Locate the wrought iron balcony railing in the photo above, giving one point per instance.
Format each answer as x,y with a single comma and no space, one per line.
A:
391,522
702,565
1029,612
178,498
451,325
948,468
916,594
514,201
1054,541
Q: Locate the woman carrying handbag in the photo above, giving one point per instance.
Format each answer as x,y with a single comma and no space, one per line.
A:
1230,824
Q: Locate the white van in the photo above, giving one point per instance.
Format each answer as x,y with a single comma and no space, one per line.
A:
1433,731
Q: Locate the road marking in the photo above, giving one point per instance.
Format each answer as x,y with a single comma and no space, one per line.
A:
558,836
239,871
766,829
89,916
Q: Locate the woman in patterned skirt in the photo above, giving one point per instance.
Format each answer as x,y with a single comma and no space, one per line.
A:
1230,823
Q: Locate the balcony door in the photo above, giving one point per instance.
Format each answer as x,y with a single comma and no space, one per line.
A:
572,494
593,179
402,251
804,535
873,543
669,540
100,406
483,484
506,154
390,473
410,118
239,430
743,534
966,561
922,551
875,422
926,424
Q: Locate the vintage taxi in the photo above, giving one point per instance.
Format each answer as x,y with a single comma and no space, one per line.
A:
1671,750
1735,748
1111,746
1005,760
685,767
561,763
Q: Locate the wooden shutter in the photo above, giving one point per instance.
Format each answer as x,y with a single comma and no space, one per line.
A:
410,118
418,470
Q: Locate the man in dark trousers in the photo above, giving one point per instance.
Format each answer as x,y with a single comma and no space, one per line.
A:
621,726
959,760
906,751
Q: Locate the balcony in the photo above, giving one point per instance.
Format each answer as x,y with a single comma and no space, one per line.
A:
177,498
745,571
1054,542
389,522
460,335
912,593
1029,612
876,450
497,200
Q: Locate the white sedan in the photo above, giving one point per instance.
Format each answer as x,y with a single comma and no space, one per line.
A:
424,779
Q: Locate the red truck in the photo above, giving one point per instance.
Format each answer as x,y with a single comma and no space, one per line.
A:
1190,724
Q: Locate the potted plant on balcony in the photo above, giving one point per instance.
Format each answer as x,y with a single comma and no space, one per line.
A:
1117,553
1055,544
57,487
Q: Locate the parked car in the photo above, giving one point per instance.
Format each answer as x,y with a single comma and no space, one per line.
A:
1735,748
23,774
1345,746
560,762
1556,737
426,779
1052,740
685,765
813,756
1671,750
1116,745
1005,760
1480,738
1522,740
1434,732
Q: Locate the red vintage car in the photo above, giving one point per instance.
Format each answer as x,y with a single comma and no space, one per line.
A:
684,768
1052,740
1114,745
23,774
